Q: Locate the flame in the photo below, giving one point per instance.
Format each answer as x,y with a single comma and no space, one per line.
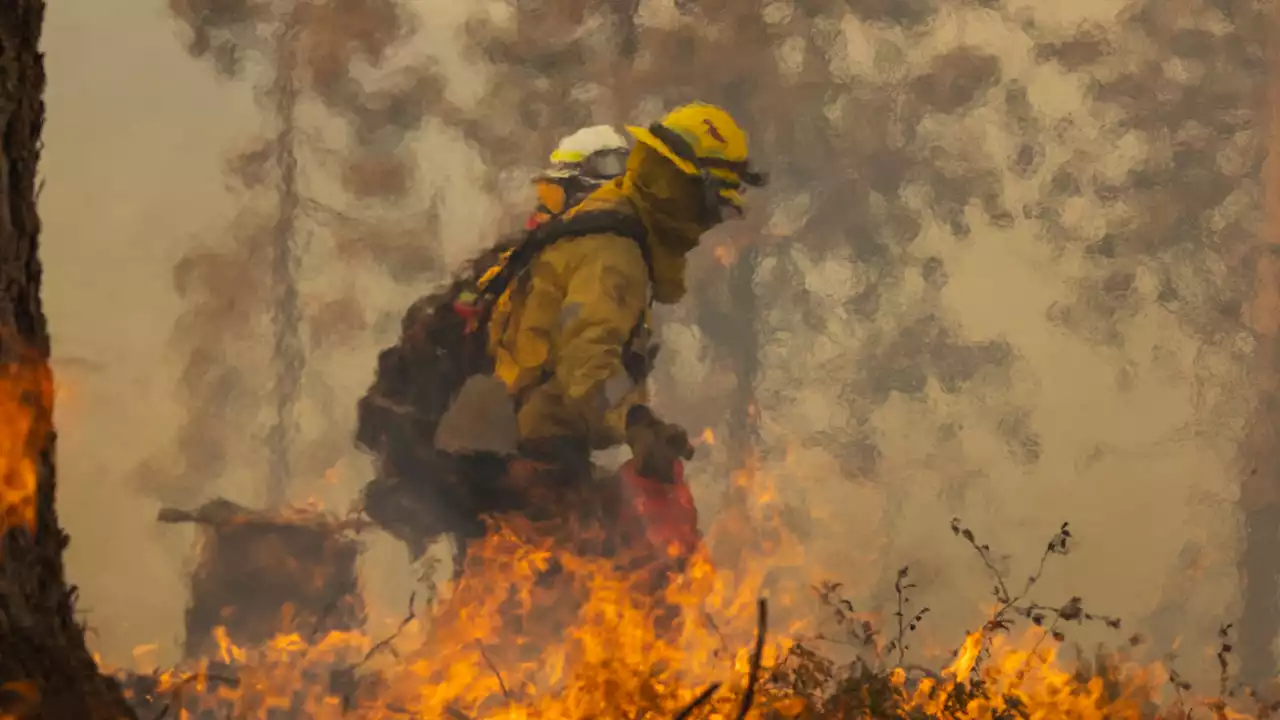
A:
729,249
21,698
606,638
726,254
332,475
966,657
26,404
1031,680
144,657
603,656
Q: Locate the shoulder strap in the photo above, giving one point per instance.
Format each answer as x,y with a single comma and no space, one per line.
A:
577,225
540,238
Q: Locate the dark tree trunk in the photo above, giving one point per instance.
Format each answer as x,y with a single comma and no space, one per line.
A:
728,317
42,648
744,433
1260,491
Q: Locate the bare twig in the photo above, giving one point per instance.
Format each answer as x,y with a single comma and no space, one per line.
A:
1225,648
863,632
494,669
762,627
711,622
698,702
900,589
327,610
385,643
1008,603
1180,686
1057,545
1033,654
175,697
905,625
984,551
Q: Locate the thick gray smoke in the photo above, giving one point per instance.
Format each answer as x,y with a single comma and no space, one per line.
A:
336,157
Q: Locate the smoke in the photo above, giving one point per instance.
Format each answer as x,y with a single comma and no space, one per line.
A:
334,175
1000,281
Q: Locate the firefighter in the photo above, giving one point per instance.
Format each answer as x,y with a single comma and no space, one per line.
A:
404,499
570,341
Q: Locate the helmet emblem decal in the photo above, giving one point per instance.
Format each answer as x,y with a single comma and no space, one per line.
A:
713,131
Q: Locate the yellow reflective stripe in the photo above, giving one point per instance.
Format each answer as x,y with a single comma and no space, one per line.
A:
567,156
492,271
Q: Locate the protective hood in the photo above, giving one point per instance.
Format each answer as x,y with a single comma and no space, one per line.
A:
668,202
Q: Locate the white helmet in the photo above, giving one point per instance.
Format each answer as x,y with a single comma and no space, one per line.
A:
594,154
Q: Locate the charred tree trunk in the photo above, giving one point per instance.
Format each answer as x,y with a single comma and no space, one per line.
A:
43,658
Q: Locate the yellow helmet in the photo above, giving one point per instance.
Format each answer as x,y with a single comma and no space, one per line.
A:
705,140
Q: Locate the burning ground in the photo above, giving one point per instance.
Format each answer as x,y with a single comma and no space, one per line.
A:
501,644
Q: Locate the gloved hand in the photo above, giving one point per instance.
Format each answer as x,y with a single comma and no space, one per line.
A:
656,445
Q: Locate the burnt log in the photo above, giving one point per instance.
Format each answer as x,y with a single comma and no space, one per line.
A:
264,573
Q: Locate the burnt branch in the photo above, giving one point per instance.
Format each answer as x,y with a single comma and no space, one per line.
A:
502,684
905,624
697,702
762,627
385,643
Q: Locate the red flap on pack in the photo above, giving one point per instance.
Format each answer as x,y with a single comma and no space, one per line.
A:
665,512
465,310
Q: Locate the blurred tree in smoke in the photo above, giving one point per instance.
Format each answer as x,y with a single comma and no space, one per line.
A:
338,167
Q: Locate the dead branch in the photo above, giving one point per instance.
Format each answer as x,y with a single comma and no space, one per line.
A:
762,626
386,642
698,702
175,696
494,669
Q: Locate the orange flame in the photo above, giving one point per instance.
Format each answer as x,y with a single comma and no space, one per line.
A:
26,404
726,254
600,639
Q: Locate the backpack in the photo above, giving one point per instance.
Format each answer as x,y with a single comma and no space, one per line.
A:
443,342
